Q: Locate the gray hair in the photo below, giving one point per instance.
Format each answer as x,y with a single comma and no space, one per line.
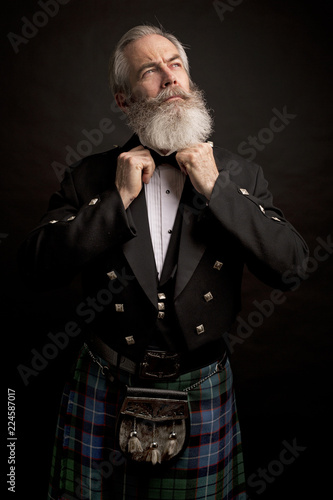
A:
119,67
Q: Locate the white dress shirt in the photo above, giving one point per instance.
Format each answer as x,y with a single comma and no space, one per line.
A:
162,197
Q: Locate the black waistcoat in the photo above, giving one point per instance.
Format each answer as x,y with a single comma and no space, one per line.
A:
167,334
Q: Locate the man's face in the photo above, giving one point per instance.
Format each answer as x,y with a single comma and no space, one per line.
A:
164,108
155,64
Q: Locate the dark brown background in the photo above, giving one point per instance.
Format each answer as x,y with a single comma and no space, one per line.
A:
264,54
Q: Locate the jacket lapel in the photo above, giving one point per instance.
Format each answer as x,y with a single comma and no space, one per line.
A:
192,241
191,248
139,251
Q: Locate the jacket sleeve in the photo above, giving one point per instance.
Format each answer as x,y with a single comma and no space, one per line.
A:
272,247
71,234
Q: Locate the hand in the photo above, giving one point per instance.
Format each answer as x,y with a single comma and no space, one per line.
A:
133,168
198,162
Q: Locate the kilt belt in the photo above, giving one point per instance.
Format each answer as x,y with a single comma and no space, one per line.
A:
155,364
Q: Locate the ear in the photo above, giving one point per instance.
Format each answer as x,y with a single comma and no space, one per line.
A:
121,100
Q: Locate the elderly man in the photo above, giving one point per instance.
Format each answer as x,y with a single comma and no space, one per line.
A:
160,230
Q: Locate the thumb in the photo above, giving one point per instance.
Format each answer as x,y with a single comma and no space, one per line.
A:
147,172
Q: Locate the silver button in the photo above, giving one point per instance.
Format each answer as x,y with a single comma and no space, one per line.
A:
112,275
208,296
161,296
200,329
262,209
93,201
71,218
130,340
160,315
218,265
53,221
244,191
119,307
161,306
276,218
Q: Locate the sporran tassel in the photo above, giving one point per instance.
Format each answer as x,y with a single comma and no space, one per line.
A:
134,443
171,447
154,454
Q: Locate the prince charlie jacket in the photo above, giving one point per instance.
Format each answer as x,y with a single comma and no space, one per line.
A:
87,230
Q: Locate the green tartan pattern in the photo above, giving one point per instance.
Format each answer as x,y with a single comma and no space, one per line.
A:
86,465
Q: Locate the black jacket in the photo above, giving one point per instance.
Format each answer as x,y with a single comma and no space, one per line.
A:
87,230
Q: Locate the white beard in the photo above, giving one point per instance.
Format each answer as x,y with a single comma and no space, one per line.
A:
173,125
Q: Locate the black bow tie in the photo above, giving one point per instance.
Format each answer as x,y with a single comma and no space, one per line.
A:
160,160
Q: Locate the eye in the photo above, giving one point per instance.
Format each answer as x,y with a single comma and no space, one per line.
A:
148,72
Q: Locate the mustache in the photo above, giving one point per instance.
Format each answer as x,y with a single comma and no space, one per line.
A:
171,92
163,95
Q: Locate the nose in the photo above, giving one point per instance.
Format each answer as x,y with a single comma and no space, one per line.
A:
168,78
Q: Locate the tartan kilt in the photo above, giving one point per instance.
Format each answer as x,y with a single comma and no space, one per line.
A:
87,466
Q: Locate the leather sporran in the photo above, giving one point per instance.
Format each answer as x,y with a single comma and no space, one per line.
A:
153,425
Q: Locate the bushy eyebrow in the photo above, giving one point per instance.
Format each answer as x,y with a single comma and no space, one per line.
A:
153,64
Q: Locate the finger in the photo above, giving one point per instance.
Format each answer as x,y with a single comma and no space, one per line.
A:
181,160
147,171
143,153
183,167
137,156
138,148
